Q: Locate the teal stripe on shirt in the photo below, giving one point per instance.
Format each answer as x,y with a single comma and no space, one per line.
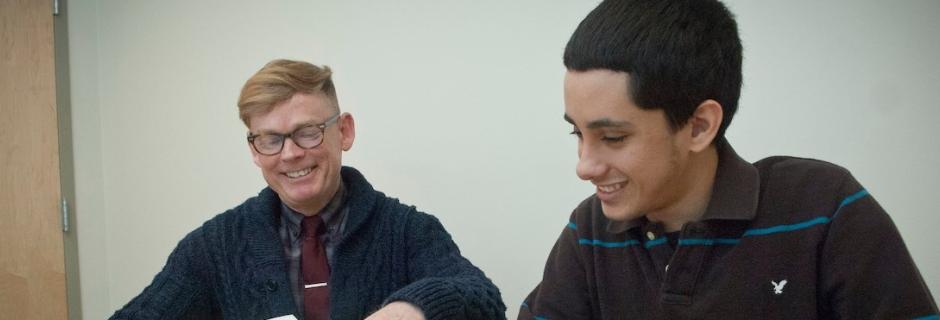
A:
728,241
605,244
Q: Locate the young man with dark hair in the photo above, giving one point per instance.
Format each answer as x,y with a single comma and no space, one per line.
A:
680,226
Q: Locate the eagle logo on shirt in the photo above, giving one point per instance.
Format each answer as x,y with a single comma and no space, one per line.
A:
778,287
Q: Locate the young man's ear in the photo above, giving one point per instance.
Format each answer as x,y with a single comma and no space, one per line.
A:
705,122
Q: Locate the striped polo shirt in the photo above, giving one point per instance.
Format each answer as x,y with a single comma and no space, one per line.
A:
783,238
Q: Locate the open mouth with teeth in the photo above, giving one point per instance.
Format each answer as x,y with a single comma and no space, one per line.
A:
610,187
298,173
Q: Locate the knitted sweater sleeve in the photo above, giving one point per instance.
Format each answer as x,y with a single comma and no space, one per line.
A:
178,291
445,284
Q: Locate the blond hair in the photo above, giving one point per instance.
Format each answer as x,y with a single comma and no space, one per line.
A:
278,81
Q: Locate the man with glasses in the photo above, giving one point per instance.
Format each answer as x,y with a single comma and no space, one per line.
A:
319,242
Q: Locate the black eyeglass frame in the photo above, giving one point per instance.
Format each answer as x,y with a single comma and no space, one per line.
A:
284,137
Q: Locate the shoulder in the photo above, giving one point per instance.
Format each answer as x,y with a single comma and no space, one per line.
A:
781,174
802,186
394,211
799,169
265,203
363,198
254,214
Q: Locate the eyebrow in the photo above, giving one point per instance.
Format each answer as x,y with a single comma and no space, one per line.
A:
602,123
568,119
298,126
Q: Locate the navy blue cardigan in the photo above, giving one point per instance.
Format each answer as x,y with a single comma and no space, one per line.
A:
233,267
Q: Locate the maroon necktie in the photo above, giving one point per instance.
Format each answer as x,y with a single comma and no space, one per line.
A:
315,271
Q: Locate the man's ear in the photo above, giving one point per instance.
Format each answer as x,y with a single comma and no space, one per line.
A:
704,123
347,128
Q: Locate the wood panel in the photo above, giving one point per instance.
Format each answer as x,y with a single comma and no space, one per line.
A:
32,270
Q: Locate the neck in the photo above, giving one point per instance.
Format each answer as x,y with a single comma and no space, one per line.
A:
695,190
315,206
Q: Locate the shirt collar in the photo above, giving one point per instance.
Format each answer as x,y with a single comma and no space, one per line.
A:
734,193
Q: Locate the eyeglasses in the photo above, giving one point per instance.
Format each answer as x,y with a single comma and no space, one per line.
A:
308,137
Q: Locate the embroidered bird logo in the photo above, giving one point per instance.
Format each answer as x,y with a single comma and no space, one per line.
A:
778,287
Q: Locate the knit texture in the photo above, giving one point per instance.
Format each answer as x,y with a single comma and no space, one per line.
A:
233,266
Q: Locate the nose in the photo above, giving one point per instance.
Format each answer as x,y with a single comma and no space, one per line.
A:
589,164
291,150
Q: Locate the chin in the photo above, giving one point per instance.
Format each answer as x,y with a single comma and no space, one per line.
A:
303,195
619,213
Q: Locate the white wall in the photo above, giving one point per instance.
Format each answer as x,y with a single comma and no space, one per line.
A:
459,107
89,200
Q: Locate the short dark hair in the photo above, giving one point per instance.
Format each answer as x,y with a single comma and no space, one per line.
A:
678,53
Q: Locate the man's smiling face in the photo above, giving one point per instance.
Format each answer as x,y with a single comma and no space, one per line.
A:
304,179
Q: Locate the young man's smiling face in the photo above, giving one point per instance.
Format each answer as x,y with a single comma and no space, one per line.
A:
632,156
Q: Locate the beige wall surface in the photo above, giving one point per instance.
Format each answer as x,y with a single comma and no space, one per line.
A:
458,107
88,205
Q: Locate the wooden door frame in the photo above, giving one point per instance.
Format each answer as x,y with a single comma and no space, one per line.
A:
40,274
66,159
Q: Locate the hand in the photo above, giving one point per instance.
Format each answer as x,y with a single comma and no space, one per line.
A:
398,310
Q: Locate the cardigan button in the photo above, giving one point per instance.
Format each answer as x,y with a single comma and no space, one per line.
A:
650,235
270,286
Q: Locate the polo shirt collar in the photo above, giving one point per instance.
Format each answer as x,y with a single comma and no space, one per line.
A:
734,193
